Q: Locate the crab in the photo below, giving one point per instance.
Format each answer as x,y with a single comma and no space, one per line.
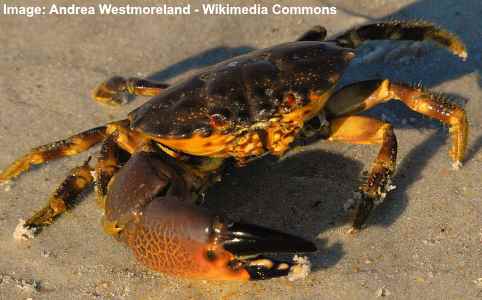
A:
154,164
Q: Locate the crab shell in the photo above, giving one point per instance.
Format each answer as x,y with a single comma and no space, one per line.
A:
247,105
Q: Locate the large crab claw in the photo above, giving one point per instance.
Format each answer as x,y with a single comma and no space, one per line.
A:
150,207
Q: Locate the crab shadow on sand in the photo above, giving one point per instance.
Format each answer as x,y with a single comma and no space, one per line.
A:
304,194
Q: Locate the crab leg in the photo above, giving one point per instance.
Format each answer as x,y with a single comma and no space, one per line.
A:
70,146
316,33
107,165
127,139
64,197
366,130
110,92
364,95
396,30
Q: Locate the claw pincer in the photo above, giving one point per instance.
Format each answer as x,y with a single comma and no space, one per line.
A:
149,207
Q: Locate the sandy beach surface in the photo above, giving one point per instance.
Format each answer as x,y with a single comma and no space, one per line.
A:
423,242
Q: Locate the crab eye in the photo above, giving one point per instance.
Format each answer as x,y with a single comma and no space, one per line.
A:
217,120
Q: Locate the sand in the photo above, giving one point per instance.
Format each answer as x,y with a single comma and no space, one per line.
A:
423,242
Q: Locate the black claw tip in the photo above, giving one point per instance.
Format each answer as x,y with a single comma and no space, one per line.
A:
248,239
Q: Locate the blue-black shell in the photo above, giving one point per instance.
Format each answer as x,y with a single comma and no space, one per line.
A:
242,90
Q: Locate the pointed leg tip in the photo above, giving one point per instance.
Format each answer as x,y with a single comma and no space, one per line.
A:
456,165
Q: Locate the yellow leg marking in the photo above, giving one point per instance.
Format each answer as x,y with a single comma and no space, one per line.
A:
437,107
70,146
107,165
63,198
214,145
127,139
110,92
428,104
365,130
168,151
364,95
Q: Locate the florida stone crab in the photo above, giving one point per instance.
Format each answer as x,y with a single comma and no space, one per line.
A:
153,165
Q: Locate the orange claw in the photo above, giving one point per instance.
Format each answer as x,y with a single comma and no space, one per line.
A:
150,206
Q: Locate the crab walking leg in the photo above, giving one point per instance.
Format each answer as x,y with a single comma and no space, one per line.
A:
397,30
366,130
316,33
364,95
107,165
63,198
110,92
70,146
